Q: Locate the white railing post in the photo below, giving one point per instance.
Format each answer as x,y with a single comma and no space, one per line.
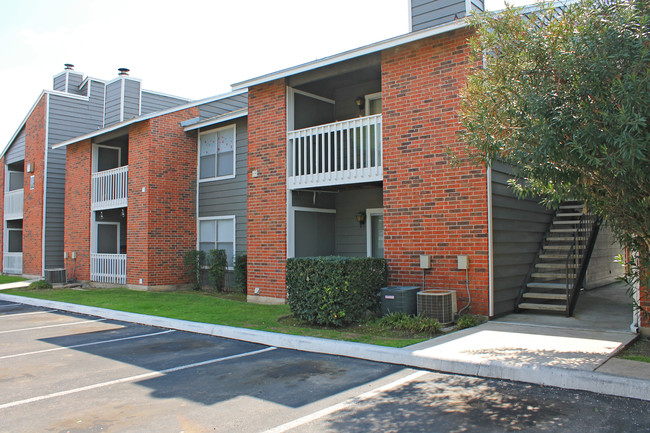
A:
336,153
109,188
108,268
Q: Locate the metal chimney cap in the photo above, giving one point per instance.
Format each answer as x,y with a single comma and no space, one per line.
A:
69,67
123,71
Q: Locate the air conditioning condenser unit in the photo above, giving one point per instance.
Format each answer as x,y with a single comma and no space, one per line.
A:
439,304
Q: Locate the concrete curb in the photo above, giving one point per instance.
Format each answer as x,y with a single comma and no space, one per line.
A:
602,383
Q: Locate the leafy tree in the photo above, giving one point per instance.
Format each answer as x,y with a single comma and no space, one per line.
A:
563,95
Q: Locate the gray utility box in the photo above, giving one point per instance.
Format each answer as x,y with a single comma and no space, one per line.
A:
399,299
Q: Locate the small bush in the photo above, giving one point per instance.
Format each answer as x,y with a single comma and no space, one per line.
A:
334,291
412,324
217,265
192,262
241,272
39,285
467,321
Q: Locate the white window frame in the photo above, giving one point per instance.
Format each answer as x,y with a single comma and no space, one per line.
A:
370,213
108,223
371,97
234,155
96,155
234,234
6,243
8,181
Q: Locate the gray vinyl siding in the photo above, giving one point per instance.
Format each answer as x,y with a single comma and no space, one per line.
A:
223,106
59,83
228,196
478,5
156,102
74,81
68,118
350,237
603,269
517,230
16,151
131,99
431,13
113,102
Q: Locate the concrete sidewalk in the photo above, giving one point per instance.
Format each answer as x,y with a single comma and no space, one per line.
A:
571,359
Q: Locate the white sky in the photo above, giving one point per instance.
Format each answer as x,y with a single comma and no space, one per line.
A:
190,48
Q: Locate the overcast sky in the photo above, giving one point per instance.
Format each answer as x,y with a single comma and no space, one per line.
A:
189,48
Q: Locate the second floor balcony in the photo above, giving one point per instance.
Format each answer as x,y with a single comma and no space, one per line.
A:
337,153
13,206
110,188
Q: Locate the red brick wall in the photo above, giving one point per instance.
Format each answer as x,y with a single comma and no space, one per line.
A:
77,209
267,193
430,206
33,203
161,221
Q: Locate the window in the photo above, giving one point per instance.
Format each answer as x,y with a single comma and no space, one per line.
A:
108,238
15,180
217,153
14,240
373,104
218,234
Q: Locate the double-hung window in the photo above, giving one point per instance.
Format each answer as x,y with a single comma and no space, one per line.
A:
218,233
217,153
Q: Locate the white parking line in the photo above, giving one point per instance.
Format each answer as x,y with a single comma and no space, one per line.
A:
344,404
52,326
27,314
132,378
133,337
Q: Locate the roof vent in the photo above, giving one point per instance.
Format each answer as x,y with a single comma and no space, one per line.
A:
123,71
69,67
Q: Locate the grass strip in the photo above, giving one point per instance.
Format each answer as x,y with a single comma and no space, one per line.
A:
220,309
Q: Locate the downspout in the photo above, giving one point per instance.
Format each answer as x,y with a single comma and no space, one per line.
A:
490,243
47,145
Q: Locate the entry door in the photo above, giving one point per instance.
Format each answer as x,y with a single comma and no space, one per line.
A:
375,232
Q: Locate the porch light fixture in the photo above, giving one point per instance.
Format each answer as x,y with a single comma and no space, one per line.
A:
123,214
101,216
361,218
361,102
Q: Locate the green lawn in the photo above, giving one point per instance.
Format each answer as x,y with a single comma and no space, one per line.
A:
639,351
226,309
4,279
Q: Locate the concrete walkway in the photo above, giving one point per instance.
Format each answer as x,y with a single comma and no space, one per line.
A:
572,359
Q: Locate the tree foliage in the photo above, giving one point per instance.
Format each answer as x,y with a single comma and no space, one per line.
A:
563,95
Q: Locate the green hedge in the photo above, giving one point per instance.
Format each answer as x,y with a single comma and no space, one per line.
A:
334,290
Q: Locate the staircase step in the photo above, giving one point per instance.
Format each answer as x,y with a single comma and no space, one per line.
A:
571,206
538,285
563,230
568,214
549,275
557,247
566,222
547,307
563,238
554,296
555,265
556,256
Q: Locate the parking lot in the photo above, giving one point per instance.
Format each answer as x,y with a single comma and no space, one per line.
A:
61,372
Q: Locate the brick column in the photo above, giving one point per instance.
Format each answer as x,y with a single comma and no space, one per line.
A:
430,206
77,209
33,204
267,192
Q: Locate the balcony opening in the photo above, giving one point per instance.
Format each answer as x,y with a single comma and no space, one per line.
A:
110,173
12,260
327,221
109,247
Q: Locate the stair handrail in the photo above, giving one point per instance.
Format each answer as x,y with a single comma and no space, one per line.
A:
574,251
587,233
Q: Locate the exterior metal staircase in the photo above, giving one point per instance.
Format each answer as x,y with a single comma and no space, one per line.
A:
558,273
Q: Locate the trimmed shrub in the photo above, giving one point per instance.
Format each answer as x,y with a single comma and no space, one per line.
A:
411,324
39,285
467,321
241,272
192,262
334,291
217,264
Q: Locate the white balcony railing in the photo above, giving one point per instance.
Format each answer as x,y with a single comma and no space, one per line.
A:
108,268
337,153
12,263
14,204
110,188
